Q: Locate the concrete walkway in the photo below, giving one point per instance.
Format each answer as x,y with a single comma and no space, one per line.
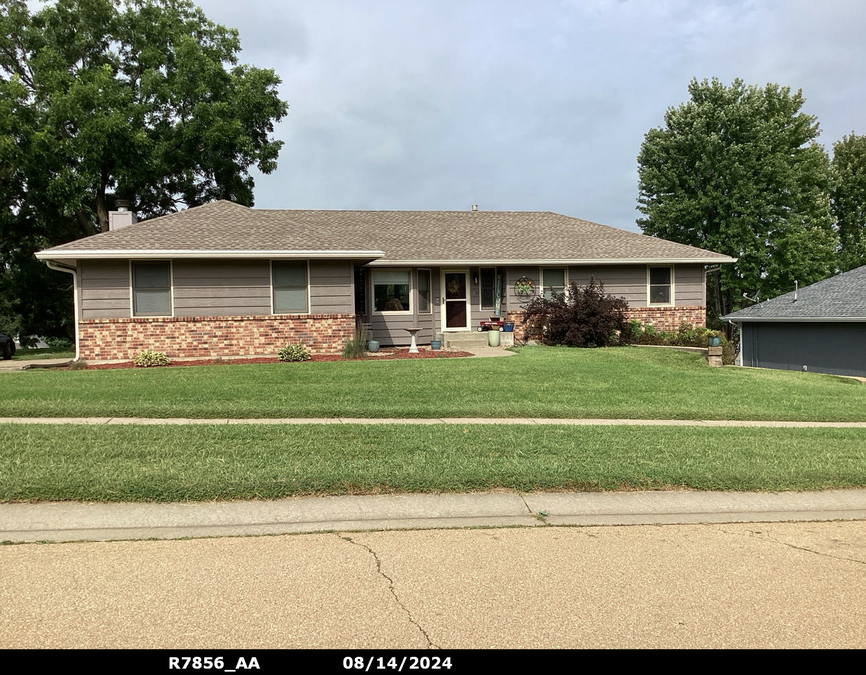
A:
14,364
72,521
433,420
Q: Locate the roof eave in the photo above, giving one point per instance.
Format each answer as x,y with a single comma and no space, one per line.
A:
794,319
138,254
389,262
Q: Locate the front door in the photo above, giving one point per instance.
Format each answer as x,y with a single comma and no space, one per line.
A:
456,295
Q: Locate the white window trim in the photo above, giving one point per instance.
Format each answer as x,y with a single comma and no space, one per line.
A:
132,314
564,278
309,294
672,303
418,291
482,308
412,292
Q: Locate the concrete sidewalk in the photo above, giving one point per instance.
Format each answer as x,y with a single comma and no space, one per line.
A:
432,420
72,521
25,364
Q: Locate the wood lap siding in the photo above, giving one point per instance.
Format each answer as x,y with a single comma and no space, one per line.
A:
213,288
222,288
689,285
629,282
105,292
332,286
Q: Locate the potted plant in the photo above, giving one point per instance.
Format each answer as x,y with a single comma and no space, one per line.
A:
713,338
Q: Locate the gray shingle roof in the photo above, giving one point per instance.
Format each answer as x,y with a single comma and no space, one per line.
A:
841,297
403,236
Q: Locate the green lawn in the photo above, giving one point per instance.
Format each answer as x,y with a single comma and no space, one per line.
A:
207,462
541,382
22,354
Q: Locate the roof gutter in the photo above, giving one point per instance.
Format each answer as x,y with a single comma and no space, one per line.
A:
547,262
74,272
794,319
135,254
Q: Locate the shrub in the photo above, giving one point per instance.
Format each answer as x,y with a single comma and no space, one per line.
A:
293,353
59,343
148,359
81,364
580,317
356,346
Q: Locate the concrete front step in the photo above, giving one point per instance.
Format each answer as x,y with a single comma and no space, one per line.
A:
474,340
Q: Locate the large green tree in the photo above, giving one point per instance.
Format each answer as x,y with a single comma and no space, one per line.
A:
849,199
101,100
736,170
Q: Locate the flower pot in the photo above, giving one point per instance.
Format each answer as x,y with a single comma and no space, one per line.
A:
509,326
373,346
493,338
436,344
714,341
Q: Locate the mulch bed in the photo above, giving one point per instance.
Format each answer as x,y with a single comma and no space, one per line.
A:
387,354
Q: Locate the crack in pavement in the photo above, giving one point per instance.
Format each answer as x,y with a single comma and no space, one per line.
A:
430,643
768,537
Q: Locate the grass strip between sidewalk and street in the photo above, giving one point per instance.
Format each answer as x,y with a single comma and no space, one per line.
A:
209,462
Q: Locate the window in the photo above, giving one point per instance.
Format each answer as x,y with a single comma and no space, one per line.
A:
488,288
391,291
151,288
289,279
552,281
659,285
424,292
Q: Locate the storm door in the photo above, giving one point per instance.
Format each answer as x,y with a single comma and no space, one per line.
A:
456,300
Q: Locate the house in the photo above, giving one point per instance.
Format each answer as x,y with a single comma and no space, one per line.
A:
224,279
819,328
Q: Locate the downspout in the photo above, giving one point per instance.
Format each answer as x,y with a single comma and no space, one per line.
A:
74,272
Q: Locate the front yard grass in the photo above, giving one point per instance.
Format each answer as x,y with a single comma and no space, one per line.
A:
627,382
207,462
22,354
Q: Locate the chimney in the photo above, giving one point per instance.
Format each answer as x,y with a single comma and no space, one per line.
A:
122,217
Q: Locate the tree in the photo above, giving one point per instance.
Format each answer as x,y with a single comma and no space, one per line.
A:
580,317
848,199
736,170
101,100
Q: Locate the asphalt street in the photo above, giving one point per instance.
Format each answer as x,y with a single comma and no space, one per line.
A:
722,585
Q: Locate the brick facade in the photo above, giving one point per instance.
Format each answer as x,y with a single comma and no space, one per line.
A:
517,317
669,318
182,337
663,318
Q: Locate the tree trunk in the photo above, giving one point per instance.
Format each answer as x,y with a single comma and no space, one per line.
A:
101,209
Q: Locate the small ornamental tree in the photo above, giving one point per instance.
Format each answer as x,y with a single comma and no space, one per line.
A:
580,317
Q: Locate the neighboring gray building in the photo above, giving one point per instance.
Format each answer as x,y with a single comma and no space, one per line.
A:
223,279
820,328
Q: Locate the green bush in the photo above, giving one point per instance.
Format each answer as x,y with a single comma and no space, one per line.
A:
59,343
149,359
293,353
685,336
580,317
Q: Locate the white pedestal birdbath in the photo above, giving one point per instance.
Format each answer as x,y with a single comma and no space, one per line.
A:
413,348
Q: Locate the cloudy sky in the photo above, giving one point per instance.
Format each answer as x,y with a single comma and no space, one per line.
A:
519,104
